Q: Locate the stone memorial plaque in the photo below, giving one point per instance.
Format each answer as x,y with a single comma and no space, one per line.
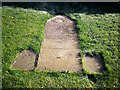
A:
59,50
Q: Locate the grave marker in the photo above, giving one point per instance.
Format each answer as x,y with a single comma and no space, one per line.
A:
59,50
24,60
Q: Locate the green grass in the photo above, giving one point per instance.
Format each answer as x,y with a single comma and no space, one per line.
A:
24,28
99,34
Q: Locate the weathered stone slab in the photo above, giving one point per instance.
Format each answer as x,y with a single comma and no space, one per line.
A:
59,50
60,44
59,27
93,64
59,60
59,53
25,60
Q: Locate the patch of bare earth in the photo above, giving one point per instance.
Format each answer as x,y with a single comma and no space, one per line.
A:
93,64
25,60
59,50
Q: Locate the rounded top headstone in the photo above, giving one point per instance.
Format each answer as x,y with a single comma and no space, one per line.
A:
59,27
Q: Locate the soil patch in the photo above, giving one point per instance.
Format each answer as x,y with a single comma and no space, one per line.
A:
59,50
25,60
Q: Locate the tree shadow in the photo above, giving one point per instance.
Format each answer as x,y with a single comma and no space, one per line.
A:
61,8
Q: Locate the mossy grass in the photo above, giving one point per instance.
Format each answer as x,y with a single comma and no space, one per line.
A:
99,34
24,28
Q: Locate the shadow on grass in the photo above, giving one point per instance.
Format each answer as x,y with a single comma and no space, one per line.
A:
60,8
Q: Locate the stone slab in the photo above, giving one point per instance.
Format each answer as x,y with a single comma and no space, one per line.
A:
59,60
93,64
24,61
59,50
60,44
59,27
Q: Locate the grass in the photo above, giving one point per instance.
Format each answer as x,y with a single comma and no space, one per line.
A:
99,34
24,28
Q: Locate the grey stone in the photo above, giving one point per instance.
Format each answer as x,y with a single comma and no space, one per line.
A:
24,61
59,49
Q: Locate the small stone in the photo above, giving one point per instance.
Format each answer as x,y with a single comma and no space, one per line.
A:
25,60
93,64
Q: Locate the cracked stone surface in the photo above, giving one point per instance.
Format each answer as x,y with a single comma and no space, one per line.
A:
59,50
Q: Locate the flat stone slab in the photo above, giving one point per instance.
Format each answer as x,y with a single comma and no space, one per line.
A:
59,50
93,64
60,44
25,60
59,60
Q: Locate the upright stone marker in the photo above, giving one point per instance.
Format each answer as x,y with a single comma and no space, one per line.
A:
59,50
